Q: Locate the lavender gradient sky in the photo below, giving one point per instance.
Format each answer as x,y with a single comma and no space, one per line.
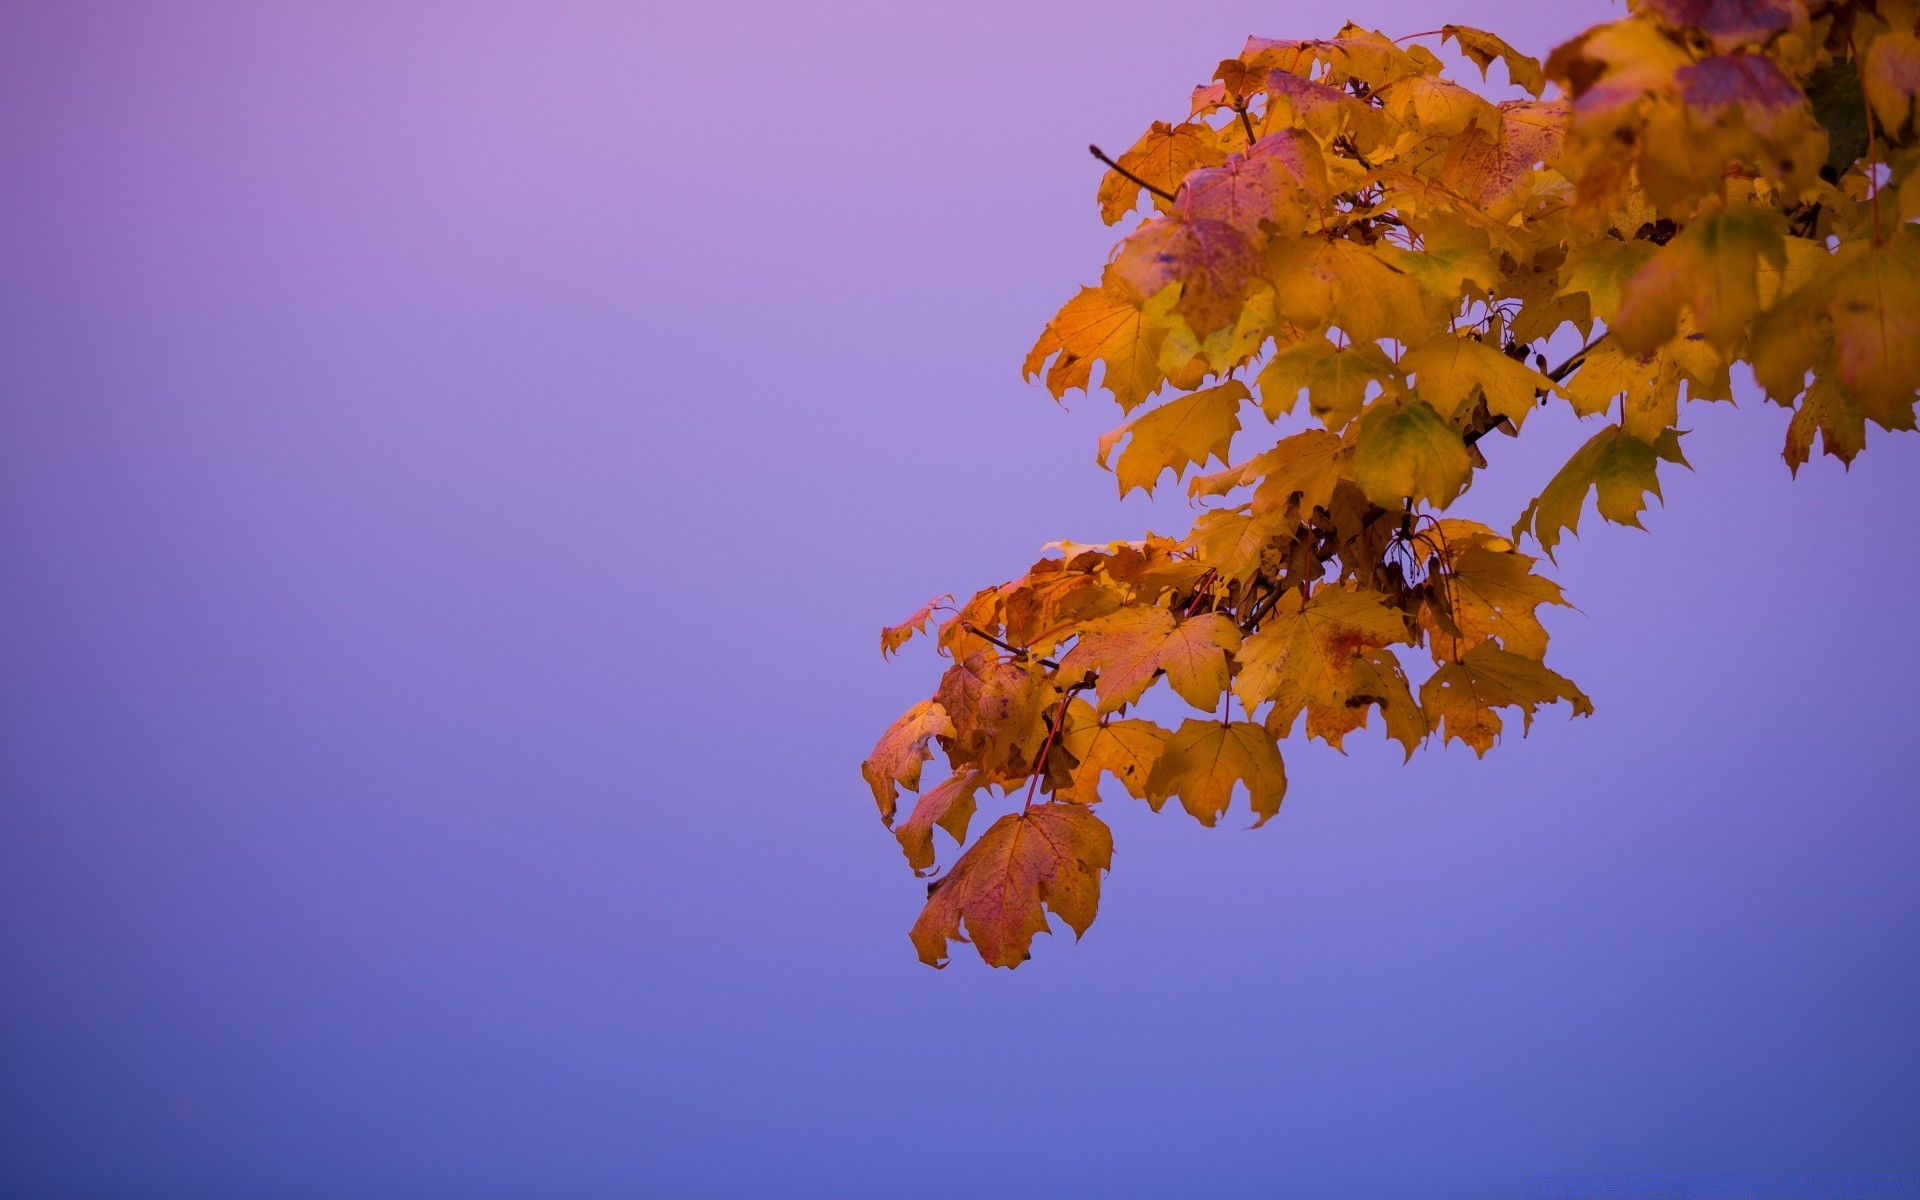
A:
453,464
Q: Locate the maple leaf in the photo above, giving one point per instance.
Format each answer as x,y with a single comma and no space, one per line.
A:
1460,698
995,706
1490,591
1324,282
1600,270
1276,180
1892,79
1125,749
896,760
1449,372
1729,24
1178,434
1048,858
1162,157
1308,465
1235,542
1825,408
1869,297
1211,266
1439,108
1408,451
1617,467
948,804
1712,268
1335,378
1131,648
1482,48
1304,651
895,636
1205,758
1110,325
1353,53
1376,681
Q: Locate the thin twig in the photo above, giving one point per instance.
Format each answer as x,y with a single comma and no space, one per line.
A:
1017,651
1129,175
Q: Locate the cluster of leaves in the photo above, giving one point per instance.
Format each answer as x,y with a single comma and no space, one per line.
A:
1717,181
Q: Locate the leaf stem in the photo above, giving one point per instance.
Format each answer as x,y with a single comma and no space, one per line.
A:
1873,181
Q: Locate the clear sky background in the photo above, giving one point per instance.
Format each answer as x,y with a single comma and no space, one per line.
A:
454,464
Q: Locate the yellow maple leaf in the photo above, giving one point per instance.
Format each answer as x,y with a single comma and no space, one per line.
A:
1162,157
1205,759
1482,48
1713,269
1047,858
1125,749
1892,79
1460,698
1407,451
1307,465
1304,650
1110,325
1449,371
1614,465
1322,282
1335,378
997,708
1490,591
1183,432
1826,409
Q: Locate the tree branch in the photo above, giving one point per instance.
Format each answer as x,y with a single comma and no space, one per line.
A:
1129,175
1016,651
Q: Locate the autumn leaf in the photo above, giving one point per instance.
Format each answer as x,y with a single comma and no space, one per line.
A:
1308,466
1162,157
895,636
1892,79
1336,282
1482,48
1109,325
1304,650
1180,433
1335,378
1826,409
1407,450
1277,180
1125,749
1128,650
1729,24
1206,758
948,804
1460,698
1449,372
995,706
896,760
1713,269
1048,858
1210,264
1491,591
1614,465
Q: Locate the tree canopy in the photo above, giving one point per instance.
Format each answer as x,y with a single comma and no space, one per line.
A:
1386,267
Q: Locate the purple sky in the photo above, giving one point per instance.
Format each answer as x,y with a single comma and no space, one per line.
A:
454,463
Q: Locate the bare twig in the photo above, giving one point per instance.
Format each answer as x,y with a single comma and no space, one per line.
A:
1129,175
